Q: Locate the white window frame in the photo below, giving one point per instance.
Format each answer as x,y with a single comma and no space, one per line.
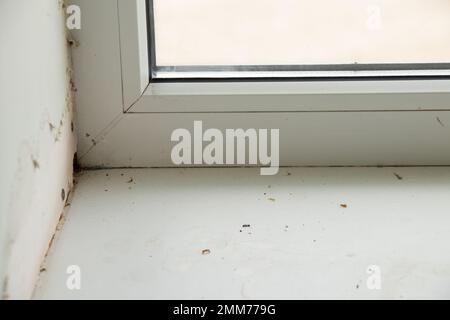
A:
126,121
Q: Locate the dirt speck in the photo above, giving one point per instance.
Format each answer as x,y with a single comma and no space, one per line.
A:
343,205
399,177
272,199
72,86
440,122
245,226
205,252
131,180
63,194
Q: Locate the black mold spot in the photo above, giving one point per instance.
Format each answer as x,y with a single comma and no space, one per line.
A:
35,164
76,166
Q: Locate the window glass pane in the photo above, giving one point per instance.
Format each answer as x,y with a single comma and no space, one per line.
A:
300,32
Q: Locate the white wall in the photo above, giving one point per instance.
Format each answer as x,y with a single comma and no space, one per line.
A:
37,144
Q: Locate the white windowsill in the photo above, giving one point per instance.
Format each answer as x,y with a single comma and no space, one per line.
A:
140,234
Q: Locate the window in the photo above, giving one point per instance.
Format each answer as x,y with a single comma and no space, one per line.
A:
299,38
225,61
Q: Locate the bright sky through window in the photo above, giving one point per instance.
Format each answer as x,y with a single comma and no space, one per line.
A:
301,32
